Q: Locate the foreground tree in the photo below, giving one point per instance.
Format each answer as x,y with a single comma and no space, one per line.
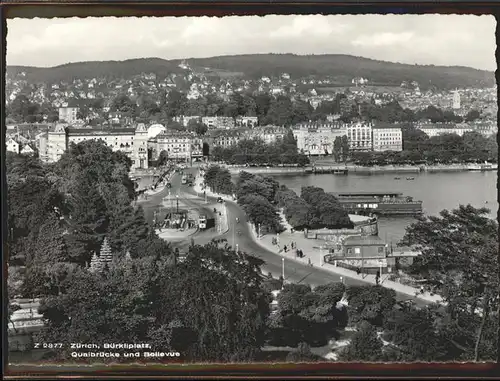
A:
459,261
306,315
365,346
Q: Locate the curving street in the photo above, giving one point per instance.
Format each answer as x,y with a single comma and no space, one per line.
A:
294,271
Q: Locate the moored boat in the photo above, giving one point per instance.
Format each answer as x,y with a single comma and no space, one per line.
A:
379,203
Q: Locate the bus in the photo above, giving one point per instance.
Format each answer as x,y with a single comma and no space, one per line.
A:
202,222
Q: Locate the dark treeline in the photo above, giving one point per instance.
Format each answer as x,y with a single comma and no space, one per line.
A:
445,149
255,151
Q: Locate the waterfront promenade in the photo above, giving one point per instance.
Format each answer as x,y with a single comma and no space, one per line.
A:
353,169
313,252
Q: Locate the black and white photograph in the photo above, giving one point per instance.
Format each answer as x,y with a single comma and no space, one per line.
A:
252,189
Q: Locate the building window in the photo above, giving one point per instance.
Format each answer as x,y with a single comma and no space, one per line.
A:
349,251
381,250
357,250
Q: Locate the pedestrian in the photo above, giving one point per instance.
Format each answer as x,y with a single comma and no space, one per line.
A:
309,262
421,289
285,248
358,271
377,277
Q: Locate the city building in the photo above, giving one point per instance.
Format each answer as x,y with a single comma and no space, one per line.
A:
184,120
269,134
196,148
435,129
41,145
218,122
223,138
360,136
485,129
247,121
318,139
27,150
131,141
13,146
176,144
387,138
68,114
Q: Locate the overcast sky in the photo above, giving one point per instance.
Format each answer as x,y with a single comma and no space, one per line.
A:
422,39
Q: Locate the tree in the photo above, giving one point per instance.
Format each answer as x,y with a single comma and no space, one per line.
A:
197,126
223,183
472,115
261,212
370,304
306,315
122,103
221,326
337,148
280,111
89,220
302,354
162,158
176,103
416,336
459,262
325,210
101,309
365,346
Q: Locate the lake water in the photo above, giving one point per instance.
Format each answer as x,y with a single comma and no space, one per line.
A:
438,191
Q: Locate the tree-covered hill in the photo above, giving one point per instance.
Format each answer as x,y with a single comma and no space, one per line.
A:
344,67
341,68
96,69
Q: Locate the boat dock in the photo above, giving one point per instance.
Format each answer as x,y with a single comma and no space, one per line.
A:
336,170
379,203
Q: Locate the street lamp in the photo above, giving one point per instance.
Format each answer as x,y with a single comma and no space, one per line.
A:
177,199
321,255
258,233
283,270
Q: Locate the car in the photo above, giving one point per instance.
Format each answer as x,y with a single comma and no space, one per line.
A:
220,200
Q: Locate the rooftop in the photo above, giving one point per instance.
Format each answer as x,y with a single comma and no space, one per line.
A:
100,131
364,241
366,193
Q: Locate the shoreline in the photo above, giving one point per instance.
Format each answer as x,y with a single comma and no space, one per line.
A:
357,169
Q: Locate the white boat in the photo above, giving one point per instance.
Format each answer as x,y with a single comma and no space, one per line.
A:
474,167
482,167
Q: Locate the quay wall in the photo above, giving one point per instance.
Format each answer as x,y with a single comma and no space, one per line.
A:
350,168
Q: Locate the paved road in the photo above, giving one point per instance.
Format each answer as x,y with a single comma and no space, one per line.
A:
294,272
154,203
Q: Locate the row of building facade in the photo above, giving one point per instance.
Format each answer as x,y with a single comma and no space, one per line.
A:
312,139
